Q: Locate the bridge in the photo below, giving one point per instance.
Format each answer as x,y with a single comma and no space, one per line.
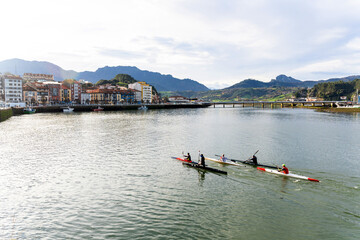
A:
275,103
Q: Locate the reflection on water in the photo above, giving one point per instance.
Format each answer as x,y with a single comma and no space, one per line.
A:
110,175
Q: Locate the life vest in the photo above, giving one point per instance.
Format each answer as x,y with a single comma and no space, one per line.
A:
285,170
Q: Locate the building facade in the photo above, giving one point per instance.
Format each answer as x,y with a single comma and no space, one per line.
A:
54,92
76,92
178,99
11,89
30,94
65,94
85,98
38,77
110,96
145,89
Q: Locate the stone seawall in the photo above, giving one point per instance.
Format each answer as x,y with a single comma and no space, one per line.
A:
5,114
89,108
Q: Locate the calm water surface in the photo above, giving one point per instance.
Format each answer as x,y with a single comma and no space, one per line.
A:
109,175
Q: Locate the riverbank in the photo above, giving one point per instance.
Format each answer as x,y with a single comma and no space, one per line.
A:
119,107
7,113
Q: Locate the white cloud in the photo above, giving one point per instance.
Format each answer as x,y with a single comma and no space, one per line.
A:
354,44
206,40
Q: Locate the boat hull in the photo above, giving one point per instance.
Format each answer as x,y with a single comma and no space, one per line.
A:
250,163
68,110
227,162
195,165
29,111
287,175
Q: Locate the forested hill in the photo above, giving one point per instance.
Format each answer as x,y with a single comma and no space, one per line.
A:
332,91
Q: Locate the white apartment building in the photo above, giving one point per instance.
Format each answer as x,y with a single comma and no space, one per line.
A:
11,90
76,91
145,89
85,98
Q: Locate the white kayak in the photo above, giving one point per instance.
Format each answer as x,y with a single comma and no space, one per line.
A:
226,162
287,175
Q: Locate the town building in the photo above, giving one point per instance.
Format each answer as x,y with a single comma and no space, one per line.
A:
104,96
85,97
111,96
54,89
42,92
30,94
178,99
65,94
145,89
38,77
11,90
76,91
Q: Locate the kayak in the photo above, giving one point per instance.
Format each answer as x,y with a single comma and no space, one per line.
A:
227,162
249,163
195,165
287,175
182,159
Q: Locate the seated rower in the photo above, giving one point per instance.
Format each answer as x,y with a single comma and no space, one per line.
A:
284,169
188,157
254,159
223,158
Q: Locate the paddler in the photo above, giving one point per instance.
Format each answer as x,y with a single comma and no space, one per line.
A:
187,157
254,159
284,169
202,160
223,158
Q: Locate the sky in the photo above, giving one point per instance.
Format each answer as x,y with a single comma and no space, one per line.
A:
215,42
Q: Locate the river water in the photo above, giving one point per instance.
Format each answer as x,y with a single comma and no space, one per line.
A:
110,175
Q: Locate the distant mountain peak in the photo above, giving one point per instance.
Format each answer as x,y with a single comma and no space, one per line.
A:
285,79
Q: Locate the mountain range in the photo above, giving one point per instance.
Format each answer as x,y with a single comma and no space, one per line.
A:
286,81
160,81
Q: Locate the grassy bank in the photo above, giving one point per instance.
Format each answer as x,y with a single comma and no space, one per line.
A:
5,114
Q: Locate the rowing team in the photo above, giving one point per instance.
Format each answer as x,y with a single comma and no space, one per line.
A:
252,160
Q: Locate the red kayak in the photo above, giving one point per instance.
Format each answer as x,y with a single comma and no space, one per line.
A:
181,159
